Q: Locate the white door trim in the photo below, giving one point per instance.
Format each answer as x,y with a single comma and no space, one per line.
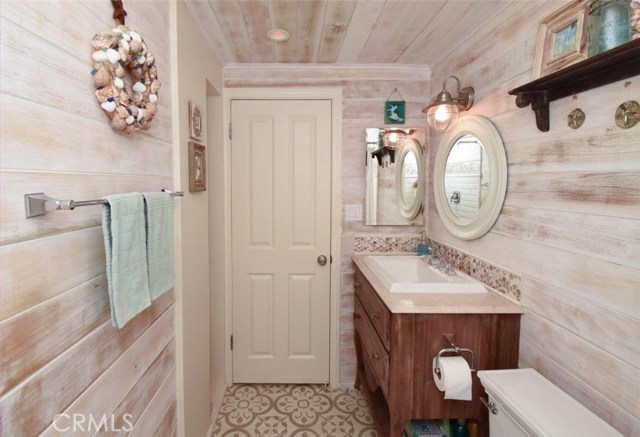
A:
335,95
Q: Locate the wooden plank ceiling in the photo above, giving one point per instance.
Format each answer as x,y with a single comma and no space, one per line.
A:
342,31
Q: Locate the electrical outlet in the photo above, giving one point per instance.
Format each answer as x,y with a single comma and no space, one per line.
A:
353,213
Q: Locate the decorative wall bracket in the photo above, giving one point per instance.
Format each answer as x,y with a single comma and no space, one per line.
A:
539,105
611,66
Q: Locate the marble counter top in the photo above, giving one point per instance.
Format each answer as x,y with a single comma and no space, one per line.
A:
490,303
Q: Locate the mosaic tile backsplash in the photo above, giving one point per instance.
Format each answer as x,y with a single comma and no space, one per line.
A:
498,278
386,244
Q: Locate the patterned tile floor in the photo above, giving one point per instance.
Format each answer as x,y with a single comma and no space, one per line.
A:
276,410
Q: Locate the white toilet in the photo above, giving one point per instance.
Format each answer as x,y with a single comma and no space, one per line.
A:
525,403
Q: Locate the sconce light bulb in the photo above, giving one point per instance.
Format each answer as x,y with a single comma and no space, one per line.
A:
442,114
392,137
442,117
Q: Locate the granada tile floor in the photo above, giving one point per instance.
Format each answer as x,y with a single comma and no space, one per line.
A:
276,410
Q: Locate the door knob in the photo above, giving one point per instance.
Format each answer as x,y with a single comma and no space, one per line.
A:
322,260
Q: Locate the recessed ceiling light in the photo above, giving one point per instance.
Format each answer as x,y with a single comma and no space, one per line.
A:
278,35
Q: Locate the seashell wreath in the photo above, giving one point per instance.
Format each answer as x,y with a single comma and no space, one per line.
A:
116,50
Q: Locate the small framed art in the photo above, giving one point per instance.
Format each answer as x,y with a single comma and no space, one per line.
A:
562,39
195,121
394,112
197,167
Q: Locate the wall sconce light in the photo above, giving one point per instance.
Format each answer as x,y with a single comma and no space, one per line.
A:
442,114
392,137
389,139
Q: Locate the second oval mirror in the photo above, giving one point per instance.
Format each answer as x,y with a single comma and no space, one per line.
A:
410,179
470,177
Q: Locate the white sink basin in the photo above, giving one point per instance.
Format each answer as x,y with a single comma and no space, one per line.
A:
410,274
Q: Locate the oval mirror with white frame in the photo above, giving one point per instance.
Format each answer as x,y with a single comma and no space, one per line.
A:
470,177
410,179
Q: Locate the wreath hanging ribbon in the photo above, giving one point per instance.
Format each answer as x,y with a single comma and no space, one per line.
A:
116,51
119,13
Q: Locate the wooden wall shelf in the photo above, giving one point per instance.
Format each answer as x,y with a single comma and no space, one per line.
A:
613,65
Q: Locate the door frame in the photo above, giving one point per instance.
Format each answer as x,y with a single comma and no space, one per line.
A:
276,93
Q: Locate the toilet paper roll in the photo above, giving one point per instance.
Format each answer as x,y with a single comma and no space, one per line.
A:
454,379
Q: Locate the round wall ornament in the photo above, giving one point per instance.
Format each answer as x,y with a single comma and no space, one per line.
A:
116,52
576,118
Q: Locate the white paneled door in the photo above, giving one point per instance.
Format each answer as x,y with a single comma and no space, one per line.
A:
281,197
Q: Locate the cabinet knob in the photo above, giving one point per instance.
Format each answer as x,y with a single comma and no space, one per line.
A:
375,316
356,284
375,356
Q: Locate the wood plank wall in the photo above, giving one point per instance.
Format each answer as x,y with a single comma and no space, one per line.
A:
58,350
364,90
570,224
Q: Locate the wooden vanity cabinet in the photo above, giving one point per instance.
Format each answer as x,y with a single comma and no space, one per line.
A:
395,353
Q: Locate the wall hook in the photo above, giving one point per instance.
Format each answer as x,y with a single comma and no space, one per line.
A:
576,118
628,114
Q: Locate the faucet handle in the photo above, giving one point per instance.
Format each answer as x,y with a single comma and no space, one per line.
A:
451,271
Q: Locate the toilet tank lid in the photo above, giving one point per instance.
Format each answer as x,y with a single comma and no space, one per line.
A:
540,406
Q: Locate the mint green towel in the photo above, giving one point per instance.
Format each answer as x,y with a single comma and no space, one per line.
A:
123,226
160,252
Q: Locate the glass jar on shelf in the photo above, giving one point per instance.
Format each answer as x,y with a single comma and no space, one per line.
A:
608,25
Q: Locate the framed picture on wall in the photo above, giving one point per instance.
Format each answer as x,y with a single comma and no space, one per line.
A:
197,167
394,112
562,39
195,121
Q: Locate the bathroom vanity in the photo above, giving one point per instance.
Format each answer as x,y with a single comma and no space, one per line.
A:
397,335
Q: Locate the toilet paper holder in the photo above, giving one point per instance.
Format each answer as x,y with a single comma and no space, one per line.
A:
454,349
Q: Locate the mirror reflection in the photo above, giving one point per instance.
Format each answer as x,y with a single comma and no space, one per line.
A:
466,177
409,179
394,176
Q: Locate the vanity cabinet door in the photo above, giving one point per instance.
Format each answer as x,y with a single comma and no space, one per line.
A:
374,355
377,310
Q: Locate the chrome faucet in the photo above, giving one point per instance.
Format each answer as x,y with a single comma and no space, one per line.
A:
439,264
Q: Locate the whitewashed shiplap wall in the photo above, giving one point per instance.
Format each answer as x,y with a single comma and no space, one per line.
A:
364,90
58,350
570,223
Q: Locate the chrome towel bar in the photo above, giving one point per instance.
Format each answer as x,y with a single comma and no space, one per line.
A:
37,204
